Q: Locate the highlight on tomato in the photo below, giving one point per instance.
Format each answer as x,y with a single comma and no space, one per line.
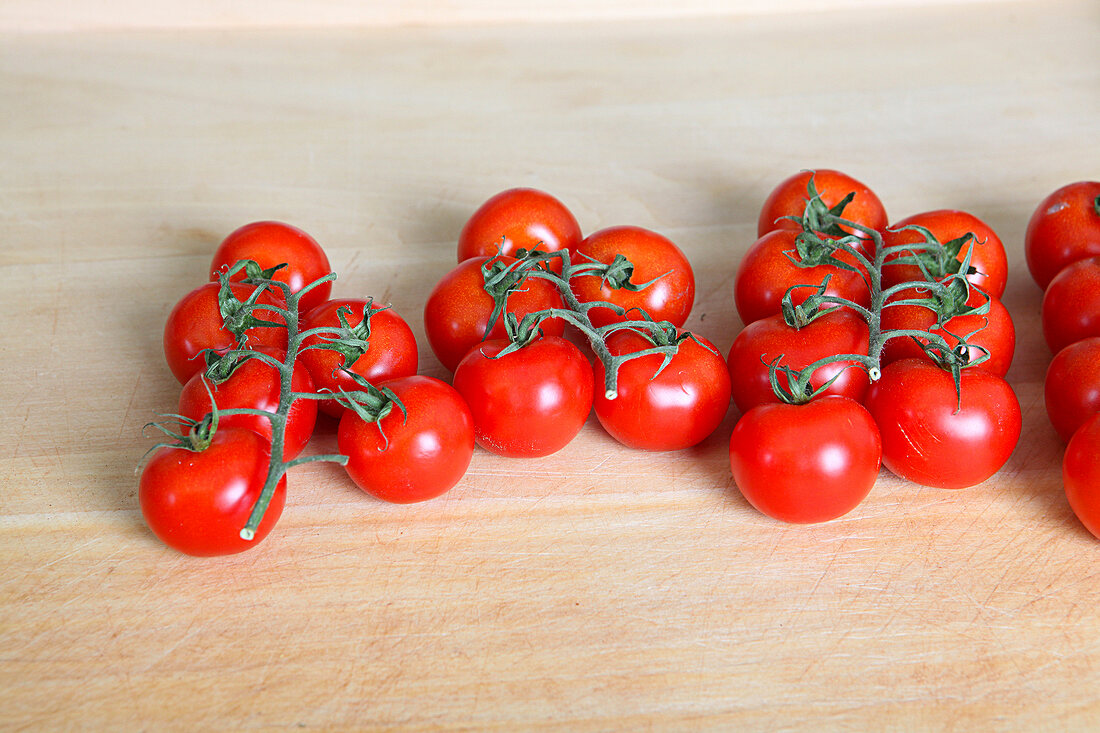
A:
519,218
1070,310
1064,228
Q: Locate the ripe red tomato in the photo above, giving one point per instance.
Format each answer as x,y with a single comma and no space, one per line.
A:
1071,304
458,309
765,274
789,199
806,463
271,243
839,331
1072,386
530,402
1064,228
1081,474
414,457
928,438
675,409
255,385
391,350
519,218
198,502
195,324
670,298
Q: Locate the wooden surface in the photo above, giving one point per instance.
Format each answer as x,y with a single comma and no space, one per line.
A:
597,589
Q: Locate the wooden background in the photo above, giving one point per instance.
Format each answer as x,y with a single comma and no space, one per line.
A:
597,589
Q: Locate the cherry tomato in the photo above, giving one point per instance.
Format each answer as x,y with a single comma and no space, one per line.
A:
675,409
458,309
839,331
1072,386
414,457
195,324
1081,474
928,438
530,402
198,502
1071,304
789,199
255,385
391,350
765,274
519,218
1065,227
806,463
271,243
670,298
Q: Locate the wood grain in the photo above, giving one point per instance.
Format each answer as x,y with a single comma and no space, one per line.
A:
596,589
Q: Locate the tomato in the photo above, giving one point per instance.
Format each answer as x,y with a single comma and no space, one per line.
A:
928,438
1081,474
988,256
196,323
405,458
789,199
271,243
255,385
457,311
675,409
765,274
1072,386
198,502
670,298
1071,304
519,218
1065,227
530,402
391,348
839,331
806,463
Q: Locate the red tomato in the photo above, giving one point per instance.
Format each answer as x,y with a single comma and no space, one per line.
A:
670,298
1064,228
806,463
414,457
391,350
1071,304
458,309
519,218
198,502
530,402
271,243
765,274
1072,386
989,257
789,199
928,438
1081,474
839,331
255,385
195,323
675,409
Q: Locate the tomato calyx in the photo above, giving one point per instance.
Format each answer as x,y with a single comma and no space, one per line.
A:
351,342
935,259
371,403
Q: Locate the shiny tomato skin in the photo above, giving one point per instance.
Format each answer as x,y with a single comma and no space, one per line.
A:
519,218
928,439
1081,474
806,463
457,311
765,274
789,199
391,352
198,502
840,331
1071,388
1070,309
272,243
415,458
670,298
675,409
1064,228
529,403
255,385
